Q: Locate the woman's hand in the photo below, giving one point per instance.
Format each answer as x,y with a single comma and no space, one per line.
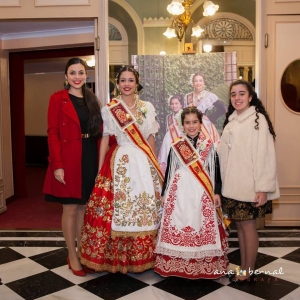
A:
260,199
217,200
59,175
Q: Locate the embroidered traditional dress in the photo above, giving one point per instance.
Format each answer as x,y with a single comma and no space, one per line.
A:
192,241
123,213
173,132
209,104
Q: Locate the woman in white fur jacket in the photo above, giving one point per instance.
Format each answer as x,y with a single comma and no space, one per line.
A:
248,170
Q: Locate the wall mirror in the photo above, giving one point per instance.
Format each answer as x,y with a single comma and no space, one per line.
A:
290,86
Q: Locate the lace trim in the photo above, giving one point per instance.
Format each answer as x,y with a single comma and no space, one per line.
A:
197,254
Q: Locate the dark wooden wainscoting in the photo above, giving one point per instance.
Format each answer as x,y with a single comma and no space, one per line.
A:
36,150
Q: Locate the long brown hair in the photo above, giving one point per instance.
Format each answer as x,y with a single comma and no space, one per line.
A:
90,100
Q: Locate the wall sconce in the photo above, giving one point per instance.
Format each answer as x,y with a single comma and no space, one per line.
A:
209,8
207,47
180,9
91,62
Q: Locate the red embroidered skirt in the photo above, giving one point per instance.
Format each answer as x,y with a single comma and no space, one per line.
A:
206,267
103,249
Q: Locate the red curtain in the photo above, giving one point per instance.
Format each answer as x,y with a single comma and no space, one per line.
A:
16,78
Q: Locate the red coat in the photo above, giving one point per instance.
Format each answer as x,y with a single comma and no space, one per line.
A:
65,147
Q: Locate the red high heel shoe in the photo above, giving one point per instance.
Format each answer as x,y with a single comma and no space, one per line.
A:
76,272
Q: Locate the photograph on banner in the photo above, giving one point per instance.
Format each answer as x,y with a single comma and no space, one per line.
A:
173,82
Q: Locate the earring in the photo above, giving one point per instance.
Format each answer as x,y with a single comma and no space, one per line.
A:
66,82
136,91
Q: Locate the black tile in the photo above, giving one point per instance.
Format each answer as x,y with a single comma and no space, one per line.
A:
266,287
52,259
113,286
188,289
32,244
261,259
289,243
293,256
39,285
31,234
235,257
7,255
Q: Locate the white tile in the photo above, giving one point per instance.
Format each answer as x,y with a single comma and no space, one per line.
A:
232,249
228,293
294,295
20,268
150,293
290,269
277,251
7,294
31,251
72,293
149,277
66,273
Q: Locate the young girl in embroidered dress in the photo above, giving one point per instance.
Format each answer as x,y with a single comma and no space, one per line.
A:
192,241
123,213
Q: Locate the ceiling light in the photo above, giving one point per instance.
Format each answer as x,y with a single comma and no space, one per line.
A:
182,18
209,8
91,62
175,8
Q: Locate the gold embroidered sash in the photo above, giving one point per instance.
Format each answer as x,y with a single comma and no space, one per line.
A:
126,123
190,158
172,128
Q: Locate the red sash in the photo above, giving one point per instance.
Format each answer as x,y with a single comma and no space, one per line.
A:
190,158
126,123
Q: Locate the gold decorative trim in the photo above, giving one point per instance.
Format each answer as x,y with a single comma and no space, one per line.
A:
139,234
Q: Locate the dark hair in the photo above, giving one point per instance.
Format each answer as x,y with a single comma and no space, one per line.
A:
90,100
111,87
191,110
198,74
259,107
129,69
178,97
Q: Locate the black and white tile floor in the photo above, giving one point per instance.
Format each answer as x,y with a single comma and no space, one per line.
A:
33,266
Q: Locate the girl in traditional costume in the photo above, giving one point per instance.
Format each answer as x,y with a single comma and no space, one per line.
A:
192,240
123,213
173,130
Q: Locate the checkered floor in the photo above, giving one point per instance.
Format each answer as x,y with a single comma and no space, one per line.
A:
33,266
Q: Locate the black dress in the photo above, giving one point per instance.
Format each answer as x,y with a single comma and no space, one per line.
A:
89,157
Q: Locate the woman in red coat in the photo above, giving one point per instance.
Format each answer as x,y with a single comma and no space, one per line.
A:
74,120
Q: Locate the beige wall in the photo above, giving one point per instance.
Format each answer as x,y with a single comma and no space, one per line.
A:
282,25
45,9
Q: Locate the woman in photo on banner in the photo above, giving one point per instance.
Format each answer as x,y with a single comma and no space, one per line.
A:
74,123
192,239
173,130
207,102
123,213
248,170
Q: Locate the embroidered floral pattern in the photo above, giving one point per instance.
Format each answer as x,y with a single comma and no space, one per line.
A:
142,210
188,237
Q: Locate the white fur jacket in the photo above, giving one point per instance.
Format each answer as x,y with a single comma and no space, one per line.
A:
247,158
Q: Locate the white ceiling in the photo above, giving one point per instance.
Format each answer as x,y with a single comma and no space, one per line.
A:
12,29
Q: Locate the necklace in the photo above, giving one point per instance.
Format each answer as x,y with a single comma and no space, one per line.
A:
130,107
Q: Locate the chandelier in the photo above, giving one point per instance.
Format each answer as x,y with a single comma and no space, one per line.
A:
182,18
